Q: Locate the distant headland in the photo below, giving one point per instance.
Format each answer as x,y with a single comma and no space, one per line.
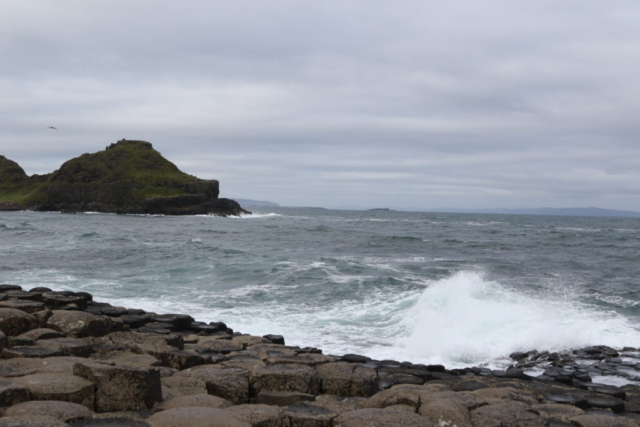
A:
128,177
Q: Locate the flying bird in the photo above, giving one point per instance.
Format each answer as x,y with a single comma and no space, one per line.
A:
51,127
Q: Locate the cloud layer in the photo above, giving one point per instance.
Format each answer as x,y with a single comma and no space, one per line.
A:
370,103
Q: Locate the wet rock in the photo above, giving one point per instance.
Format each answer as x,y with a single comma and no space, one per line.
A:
605,402
180,321
355,358
276,339
568,399
40,289
119,388
8,288
201,400
63,411
64,387
114,311
135,320
14,322
609,390
347,379
296,378
381,418
195,417
79,323
59,299
283,398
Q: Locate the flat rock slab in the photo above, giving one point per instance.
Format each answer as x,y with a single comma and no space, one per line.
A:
605,402
201,400
64,387
41,334
602,421
64,411
196,417
568,399
260,415
557,412
290,378
26,306
32,421
382,418
506,414
283,398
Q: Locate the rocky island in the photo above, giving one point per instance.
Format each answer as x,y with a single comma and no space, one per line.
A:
68,360
128,177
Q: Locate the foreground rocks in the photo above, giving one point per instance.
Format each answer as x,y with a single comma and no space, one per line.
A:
72,361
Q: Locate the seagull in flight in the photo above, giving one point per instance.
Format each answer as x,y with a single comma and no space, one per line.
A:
51,127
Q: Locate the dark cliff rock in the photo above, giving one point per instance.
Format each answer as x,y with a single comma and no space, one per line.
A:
127,177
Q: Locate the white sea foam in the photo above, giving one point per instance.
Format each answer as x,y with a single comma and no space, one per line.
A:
466,319
256,215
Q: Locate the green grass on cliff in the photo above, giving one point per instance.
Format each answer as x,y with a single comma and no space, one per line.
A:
126,162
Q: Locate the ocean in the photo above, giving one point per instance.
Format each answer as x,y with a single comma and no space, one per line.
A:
455,289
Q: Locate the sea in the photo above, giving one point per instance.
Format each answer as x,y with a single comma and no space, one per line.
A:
454,289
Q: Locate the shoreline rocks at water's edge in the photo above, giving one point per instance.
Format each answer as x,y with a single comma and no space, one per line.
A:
69,360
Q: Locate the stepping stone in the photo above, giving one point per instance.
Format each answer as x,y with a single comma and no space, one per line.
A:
605,402
63,411
609,390
568,399
283,398
64,387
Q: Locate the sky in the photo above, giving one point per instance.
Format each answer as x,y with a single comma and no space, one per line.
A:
402,104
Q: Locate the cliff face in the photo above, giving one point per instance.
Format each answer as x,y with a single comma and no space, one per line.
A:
127,177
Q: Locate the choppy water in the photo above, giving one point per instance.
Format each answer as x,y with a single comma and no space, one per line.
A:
430,288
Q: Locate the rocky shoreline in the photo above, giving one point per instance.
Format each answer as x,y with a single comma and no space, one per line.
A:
67,360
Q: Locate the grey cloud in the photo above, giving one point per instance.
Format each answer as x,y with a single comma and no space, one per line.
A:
462,104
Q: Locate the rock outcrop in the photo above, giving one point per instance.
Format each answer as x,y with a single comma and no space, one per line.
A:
128,177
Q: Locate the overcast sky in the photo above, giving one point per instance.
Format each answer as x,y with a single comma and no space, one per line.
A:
466,104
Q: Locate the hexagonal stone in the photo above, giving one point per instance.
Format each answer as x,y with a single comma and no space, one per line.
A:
32,421
195,417
64,387
201,400
348,379
121,389
382,418
64,411
26,306
297,378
